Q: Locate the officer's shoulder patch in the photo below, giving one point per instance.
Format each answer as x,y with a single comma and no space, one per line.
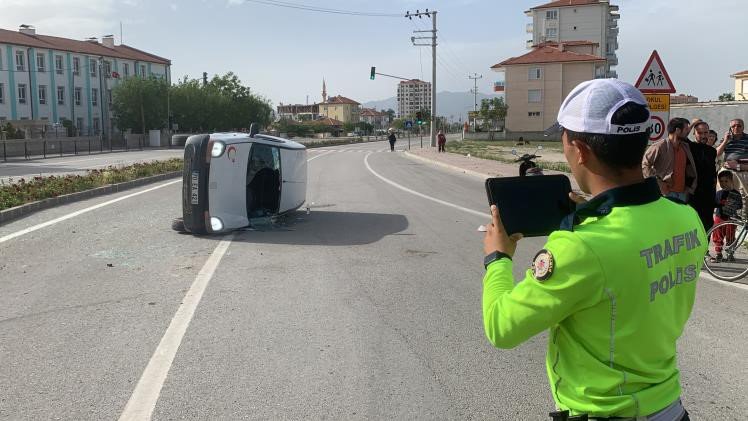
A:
543,265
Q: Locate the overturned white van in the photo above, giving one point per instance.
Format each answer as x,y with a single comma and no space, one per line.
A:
230,178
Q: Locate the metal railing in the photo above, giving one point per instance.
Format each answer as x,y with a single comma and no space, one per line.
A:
42,148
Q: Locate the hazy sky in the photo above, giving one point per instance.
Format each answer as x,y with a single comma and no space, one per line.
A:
284,53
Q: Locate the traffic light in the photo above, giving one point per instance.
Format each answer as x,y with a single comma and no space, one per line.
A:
373,72
419,118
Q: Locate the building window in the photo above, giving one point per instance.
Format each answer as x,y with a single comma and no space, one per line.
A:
599,71
535,73
94,96
58,64
79,124
20,61
40,67
77,96
533,114
21,93
534,95
96,125
126,69
109,98
76,66
107,69
551,33
61,95
745,87
42,94
92,67
551,14
142,70
2,93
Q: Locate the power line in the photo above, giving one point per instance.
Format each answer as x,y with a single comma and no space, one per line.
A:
300,6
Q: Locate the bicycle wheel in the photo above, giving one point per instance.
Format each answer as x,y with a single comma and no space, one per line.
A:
728,251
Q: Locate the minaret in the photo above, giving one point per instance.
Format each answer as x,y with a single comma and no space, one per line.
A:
324,91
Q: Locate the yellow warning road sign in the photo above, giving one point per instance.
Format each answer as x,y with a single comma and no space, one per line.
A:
658,102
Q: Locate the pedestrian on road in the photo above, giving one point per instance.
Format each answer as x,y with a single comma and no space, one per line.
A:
735,147
442,141
727,202
620,273
671,163
391,137
705,158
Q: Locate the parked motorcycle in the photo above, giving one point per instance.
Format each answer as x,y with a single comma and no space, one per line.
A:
528,167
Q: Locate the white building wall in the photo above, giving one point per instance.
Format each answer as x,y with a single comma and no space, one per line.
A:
83,80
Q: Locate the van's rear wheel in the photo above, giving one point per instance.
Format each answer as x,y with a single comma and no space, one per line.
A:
177,224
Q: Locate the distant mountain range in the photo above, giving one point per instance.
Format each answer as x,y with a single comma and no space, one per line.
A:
448,104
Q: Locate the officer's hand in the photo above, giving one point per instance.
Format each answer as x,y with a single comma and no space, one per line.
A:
578,199
496,237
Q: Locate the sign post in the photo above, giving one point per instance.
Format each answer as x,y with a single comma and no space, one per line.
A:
654,82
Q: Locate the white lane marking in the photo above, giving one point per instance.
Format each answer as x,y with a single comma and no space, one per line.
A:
704,275
82,211
709,277
322,154
143,399
433,199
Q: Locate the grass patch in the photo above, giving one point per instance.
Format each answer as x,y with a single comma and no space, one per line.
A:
502,151
20,191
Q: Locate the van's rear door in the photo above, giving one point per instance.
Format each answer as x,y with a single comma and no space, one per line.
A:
293,170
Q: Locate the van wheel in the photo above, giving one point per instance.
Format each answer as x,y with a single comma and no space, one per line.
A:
177,224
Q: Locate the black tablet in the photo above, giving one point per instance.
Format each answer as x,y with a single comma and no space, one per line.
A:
533,206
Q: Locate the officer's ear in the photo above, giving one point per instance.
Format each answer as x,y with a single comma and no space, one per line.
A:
584,152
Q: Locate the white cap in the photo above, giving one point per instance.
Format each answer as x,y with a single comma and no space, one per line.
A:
590,106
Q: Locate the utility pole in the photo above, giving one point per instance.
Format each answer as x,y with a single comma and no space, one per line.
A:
432,15
475,78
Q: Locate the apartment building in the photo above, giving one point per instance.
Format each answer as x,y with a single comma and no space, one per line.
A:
561,21
48,79
377,119
340,108
741,85
413,96
537,82
298,112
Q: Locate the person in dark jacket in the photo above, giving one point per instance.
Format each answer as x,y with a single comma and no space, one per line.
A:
391,137
705,158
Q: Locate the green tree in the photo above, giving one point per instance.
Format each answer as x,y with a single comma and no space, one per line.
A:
398,123
140,104
727,96
492,111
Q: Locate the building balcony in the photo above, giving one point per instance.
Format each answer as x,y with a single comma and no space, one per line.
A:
529,44
499,86
613,32
529,28
614,15
612,59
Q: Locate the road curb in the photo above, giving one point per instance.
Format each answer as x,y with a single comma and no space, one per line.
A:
7,215
477,174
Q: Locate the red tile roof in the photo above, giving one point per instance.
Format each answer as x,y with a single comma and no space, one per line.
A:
743,73
75,46
327,121
547,54
413,81
371,112
565,3
340,100
572,43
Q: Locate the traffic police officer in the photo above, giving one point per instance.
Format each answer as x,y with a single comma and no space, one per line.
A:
616,284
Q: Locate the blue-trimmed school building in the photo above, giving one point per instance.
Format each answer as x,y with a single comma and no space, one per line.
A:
50,78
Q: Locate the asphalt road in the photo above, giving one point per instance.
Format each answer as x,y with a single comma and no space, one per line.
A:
74,164
368,307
